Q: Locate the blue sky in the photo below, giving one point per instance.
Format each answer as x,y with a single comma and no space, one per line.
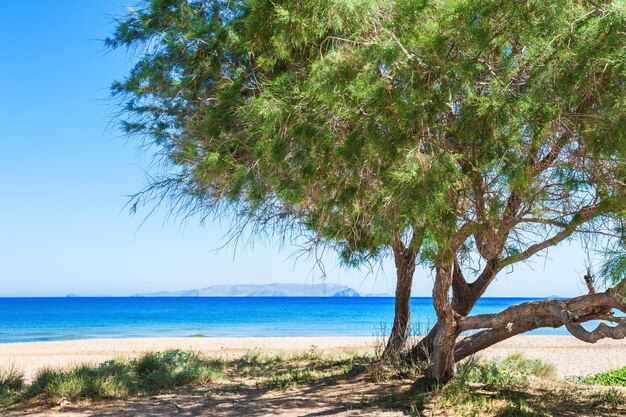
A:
65,173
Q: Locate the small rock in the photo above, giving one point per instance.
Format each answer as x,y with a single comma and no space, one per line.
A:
236,406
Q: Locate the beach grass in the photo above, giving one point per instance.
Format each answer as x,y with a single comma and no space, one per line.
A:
11,379
512,386
506,387
11,384
117,378
168,370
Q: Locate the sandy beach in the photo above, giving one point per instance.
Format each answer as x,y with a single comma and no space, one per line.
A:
569,355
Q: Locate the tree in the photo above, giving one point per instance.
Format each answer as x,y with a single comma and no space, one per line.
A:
214,83
468,136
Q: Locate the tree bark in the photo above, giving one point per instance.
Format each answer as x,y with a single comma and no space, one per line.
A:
516,319
532,315
464,298
405,268
441,364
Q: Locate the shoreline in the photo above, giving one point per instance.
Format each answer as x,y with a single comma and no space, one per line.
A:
570,356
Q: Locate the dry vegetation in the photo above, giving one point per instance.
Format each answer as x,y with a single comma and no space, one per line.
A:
307,384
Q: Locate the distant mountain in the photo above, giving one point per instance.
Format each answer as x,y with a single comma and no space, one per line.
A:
268,290
348,292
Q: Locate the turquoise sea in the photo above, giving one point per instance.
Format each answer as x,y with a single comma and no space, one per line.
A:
43,319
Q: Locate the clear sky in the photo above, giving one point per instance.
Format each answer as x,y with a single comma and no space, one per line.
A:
65,173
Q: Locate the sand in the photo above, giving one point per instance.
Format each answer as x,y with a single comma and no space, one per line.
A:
32,356
570,356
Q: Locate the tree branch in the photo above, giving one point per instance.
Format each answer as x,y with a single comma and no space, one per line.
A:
582,216
459,284
532,315
510,216
464,232
602,331
589,282
552,155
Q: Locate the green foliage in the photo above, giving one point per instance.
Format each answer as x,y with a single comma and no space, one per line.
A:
502,387
173,368
284,371
254,363
118,379
616,377
363,121
11,379
290,378
614,268
11,384
512,370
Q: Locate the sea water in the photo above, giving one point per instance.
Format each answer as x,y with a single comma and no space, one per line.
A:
44,319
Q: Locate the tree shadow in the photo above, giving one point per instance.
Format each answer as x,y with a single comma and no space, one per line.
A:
354,394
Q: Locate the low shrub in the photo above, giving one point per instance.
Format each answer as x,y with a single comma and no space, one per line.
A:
117,378
512,370
173,368
615,377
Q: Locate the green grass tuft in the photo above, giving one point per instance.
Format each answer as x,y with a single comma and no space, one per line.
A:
254,363
291,378
512,370
11,380
11,384
616,377
173,368
111,379
118,379
492,387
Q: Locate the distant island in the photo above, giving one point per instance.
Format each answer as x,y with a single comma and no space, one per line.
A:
266,290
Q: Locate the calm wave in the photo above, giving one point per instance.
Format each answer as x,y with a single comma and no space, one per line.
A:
43,319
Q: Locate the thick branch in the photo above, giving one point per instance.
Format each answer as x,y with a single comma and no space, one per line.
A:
600,332
484,279
599,303
464,297
545,313
460,289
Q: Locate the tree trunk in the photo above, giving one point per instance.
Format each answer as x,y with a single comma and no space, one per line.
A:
405,268
516,319
441,364
464,298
